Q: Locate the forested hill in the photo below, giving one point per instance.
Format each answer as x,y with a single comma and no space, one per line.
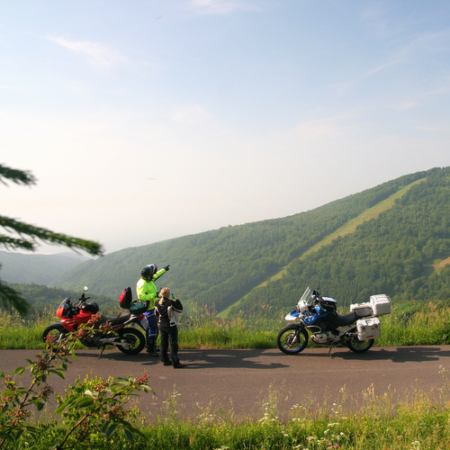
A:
389,239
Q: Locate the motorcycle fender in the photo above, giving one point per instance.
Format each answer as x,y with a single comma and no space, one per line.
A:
293,315
61,326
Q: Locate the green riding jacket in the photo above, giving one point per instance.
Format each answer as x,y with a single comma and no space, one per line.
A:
146,290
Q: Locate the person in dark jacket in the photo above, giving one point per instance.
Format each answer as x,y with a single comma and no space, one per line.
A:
167,311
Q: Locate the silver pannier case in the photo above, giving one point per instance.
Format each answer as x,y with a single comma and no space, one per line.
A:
381,304
362,309
368,328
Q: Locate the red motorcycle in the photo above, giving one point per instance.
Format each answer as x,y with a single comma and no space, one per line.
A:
119,333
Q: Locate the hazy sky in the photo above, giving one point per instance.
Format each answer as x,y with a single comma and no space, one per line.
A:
148,120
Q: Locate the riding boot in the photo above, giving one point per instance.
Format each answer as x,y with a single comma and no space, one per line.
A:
151,347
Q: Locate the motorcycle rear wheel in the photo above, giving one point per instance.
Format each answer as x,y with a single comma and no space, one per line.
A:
292,339
133,337
357,346
56,331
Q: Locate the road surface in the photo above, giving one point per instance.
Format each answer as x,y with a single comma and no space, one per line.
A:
238,382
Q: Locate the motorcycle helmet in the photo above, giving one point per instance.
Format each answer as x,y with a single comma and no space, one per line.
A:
90,307
148,271
316,298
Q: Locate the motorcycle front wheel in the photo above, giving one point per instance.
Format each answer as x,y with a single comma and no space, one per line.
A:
357,346
54,332
292,339
134,338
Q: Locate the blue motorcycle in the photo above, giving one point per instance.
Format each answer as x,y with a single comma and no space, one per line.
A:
317,316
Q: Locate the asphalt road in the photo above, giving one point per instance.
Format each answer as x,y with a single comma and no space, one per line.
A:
238,382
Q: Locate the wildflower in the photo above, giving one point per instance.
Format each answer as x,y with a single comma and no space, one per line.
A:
50,339
42,363
19,414
143,379
100,387
94,319
81,333
46,391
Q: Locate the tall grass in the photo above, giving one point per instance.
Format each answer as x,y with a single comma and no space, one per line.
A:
412,324
424,324
369,422
23,332
372,421
204,329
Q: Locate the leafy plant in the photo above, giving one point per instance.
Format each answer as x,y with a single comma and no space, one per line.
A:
92,409
16,400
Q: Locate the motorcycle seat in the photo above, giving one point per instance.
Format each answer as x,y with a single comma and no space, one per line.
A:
343,321
118,320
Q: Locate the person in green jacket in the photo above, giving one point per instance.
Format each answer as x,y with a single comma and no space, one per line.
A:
147,291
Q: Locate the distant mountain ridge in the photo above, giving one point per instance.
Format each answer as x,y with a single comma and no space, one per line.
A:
393,250
28,268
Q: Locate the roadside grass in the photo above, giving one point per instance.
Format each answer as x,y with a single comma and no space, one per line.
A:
374,422
416,324
369,421
409,324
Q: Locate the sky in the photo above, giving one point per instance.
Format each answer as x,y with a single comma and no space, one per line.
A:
146,120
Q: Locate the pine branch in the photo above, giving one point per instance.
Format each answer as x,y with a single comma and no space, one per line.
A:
9,298
23,177
14,244
44,235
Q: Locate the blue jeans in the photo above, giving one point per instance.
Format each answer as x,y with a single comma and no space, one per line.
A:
152,332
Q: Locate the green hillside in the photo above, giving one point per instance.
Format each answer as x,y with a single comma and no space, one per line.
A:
384,240
402,252
348,228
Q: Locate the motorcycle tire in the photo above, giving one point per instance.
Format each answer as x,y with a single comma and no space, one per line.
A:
292,339
56,330
357,346
133,337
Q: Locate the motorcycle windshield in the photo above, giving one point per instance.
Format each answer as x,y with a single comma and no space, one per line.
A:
306,295
61,310
63,303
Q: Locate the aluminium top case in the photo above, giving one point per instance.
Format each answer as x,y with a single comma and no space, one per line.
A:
381,304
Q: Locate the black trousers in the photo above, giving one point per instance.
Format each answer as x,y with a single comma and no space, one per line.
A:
169,336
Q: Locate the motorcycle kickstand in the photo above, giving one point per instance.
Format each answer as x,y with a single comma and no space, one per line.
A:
329,353
101,353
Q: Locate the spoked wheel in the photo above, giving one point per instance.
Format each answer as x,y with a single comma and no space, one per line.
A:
134,338
357,346
292,339
54,333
